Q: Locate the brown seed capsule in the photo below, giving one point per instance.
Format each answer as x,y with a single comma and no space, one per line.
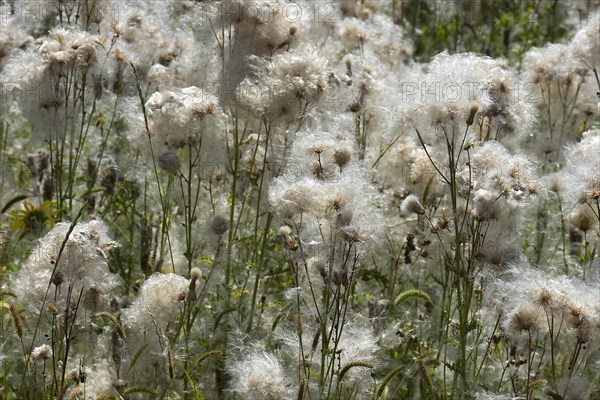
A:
292,243
342,157
57,277
473,108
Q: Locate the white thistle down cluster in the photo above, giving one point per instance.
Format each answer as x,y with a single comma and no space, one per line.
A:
259,375
35,20
492,396
369,217
526,305
586,42
563,83
94,380
580,182
261,30
502,184
82,267
182,118
324,193
34,77
534,301
179,116
283,87
12,37
356,344
461,90
160,299
377,37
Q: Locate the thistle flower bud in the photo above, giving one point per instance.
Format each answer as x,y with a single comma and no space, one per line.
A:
169,162
219,225
321,268
218,176
195,274
473,108
350,234
57,277
293,29
342,157
348,61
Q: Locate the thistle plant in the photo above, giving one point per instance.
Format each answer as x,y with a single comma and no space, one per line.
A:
268,199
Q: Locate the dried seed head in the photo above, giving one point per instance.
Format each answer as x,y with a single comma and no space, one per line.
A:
342,157
545,298
285,230
473,108
354,107
169,162
76,393
583,220
443,221
574,311
92,298
336,204
317,149
555,185
195,275
533,188
42,352
350,234
323,272
57,277
218,175
411,204
292,243
219,225
348,60
340,278
526,318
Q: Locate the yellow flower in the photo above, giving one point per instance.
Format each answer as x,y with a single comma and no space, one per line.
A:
33,220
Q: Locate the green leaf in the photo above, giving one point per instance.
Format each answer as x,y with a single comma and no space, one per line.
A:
199,395
136,356
13,201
